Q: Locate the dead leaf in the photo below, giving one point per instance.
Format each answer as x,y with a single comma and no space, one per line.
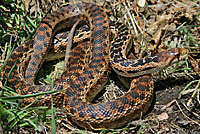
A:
156,38
30,6
163,116
160,23
183,122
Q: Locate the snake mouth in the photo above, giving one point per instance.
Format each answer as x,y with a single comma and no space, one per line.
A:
171,56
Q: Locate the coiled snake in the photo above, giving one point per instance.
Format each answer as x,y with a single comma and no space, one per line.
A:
75,82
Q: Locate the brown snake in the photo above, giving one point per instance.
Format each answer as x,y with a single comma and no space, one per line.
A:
76,83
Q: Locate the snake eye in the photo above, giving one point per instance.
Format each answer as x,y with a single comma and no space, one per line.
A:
172,53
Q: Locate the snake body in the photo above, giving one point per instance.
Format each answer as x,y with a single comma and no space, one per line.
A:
78,80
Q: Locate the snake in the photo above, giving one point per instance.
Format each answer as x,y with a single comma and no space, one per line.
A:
78,80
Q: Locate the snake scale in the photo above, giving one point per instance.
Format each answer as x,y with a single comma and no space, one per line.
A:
110,114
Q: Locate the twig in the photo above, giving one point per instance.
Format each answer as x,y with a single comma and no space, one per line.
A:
196,88
137,13
133,21
168,104
136,22
120,2
185,114
195,114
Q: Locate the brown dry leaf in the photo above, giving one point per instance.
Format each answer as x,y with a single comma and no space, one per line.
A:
155,39
33,7
162,21
163,116
41,6
26,4
161,24
30,6
181,4
159,7
97,2
195,65
184,122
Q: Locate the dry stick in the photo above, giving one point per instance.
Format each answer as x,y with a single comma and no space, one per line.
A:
69,44
132,17
195,114
139,23
198,85
120,2
196,88
135,24
186,115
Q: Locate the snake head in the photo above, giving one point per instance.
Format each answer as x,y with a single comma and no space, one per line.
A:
173,55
